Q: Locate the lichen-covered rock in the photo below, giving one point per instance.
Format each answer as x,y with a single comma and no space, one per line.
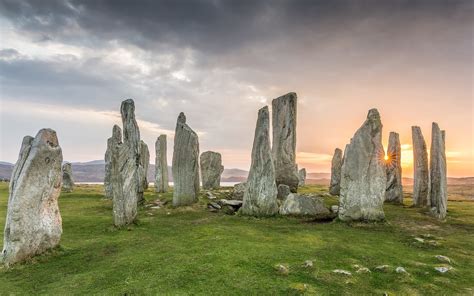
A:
239,190
142,171
161,165
260,197
112,142
301,177
301,205
125,168
211,169
363,176
394,192
284,140
336,166
420,167
185,164
438,177
283,191
33,223
68,181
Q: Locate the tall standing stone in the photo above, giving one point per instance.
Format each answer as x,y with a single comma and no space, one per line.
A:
394,192
211,169
336,166
185,164
438,177
125,168
143,170
161,165
68,181
420,167
301,177
260,196
284,140
112,142
363,175
33,223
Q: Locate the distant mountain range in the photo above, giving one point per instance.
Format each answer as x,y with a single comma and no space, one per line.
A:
93,171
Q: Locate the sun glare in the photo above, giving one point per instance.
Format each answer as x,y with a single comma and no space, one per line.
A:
386,157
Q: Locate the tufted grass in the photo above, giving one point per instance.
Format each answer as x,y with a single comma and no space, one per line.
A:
192,251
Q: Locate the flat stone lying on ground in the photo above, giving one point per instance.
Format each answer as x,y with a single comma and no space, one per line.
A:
306,206
33,221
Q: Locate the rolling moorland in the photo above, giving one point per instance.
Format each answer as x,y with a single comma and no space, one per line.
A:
191,250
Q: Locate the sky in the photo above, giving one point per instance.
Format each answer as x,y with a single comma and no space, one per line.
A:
67,65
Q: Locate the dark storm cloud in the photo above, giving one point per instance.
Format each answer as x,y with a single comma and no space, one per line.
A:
211,26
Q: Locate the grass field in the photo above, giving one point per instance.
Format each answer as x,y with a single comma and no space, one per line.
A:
193,251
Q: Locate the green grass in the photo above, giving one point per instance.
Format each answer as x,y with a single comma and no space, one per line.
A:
192,251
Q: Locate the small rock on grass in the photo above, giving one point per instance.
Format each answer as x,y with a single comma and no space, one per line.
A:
363,270
282,269
308,264
342,271
419,239
443,259
382,268
400,269
443,269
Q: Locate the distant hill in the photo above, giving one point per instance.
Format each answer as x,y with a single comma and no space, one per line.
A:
93,171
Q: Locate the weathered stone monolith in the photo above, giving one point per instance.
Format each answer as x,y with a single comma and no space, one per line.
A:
420,167
438,177
112,142
185,164
363,175
33,223
161,165
143,170
394,192
211,169
239,190
284,140
125,168
68,181
260,196
301,177
336,166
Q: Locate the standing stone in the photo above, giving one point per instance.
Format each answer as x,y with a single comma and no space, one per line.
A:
394,192
420,167
185,164
112,142
125,168
143,170
283,191
260,196
336,166
68,181
161,165
438,178
301,177
211,169
33,223
284,140
363,175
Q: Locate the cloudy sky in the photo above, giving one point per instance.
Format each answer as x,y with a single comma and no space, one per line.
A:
67,65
